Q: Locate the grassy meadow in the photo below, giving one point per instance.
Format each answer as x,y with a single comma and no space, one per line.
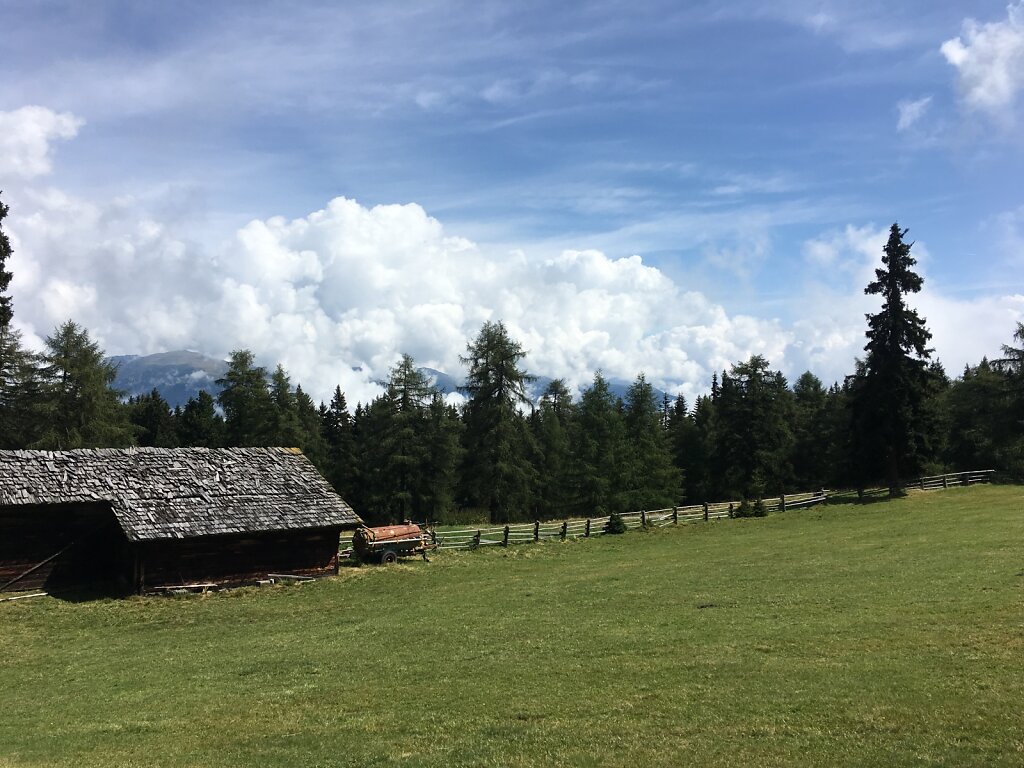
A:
885,634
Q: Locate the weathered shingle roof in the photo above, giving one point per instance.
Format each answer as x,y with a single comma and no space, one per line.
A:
174,493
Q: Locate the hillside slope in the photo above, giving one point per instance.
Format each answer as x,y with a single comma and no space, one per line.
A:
886,634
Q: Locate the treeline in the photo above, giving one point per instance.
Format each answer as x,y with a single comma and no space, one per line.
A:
410,454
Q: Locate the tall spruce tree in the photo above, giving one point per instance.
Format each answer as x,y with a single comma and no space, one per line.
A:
497,473
339,432
890,429
684,441
200,425
754,438
284,427
394,440
979,405
839,434
373,495
700,458
154,421
811,438
311,436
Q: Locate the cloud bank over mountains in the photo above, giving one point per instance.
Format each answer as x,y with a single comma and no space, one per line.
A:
338,294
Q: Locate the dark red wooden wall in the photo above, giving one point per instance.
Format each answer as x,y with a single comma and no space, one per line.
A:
237,559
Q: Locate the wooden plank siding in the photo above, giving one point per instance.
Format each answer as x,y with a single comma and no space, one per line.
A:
236,559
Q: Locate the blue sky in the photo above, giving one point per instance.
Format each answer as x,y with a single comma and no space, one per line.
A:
750,154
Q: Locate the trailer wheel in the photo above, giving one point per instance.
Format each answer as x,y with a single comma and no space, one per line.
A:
389,556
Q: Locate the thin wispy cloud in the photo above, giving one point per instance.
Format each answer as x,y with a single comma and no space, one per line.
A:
910,112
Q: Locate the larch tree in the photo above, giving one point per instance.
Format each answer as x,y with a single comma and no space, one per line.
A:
651,479
246,400
78,406
498,475
552,423
404,437
599,443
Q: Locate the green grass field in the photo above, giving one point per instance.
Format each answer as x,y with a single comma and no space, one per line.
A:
879,635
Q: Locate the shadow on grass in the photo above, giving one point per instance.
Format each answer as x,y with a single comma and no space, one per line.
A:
84,593
852,498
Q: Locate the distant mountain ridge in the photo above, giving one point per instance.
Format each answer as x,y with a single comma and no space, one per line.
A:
177,376
181,374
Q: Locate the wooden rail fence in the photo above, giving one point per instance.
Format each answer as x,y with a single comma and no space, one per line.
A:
582,528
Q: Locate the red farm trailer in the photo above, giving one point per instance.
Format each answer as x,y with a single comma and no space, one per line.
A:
389,542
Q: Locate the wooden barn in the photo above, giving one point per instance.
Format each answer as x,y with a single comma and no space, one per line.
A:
151,518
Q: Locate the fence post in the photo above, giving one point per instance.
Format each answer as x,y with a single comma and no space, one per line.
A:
945,481
782,502
433,536
476,540
565,528
921,481
587,534
536,530
730,512
504,541
675,515
643,518
705,511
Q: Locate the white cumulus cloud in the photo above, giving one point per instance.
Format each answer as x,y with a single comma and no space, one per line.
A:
989,58
337,295
26,139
